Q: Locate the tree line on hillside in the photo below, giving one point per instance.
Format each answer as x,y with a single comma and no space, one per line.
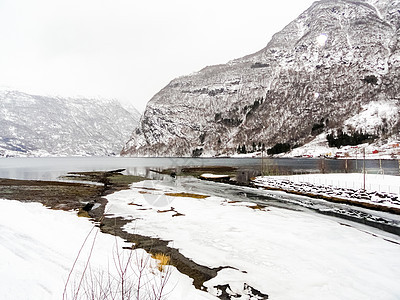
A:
336,139
276,149
340,138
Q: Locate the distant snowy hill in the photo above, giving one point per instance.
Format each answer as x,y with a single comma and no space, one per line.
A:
33,125
317,75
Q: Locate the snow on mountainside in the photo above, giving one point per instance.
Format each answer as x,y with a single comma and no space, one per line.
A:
33,125
323,68
375,117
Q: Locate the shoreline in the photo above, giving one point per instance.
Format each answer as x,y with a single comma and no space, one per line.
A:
335,199
89,201
354,215
112,182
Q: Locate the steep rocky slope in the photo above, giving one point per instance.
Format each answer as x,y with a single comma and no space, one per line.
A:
322,68
38,126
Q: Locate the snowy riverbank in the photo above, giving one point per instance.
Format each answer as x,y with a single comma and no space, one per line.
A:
380,190
38,247
282,253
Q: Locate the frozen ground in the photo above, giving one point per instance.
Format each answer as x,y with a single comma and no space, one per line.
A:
38,247
283,253
379,189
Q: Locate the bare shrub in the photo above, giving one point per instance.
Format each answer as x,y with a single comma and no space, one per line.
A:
133,274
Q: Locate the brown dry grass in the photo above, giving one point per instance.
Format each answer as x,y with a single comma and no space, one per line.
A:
257,207
83,213
163,261
188,195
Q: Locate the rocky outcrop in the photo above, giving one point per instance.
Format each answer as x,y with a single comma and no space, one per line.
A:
322,68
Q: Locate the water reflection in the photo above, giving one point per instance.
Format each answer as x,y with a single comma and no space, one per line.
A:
51,168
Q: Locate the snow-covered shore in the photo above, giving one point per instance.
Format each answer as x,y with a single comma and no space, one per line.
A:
380,190
38,247
283,253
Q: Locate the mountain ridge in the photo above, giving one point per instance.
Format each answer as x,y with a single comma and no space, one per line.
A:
34,125
336,57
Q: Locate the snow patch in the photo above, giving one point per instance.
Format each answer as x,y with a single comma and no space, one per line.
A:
321,39
373,115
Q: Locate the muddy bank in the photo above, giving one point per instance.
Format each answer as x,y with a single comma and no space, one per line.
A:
79,196
111,181
55,195
198,273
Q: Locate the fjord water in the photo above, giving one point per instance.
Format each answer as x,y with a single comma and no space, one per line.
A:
50,168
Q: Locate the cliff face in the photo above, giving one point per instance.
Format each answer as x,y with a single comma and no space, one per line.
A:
322,68
40,126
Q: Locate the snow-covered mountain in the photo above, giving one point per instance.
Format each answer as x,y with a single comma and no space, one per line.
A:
33,125
320,71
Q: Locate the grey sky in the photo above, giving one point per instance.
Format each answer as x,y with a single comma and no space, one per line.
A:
128,49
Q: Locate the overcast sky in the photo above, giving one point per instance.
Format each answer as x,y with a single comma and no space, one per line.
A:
128,49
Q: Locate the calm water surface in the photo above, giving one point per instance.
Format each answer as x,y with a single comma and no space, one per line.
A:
50,168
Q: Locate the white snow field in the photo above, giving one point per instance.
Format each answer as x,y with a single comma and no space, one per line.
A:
38,247
286,254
